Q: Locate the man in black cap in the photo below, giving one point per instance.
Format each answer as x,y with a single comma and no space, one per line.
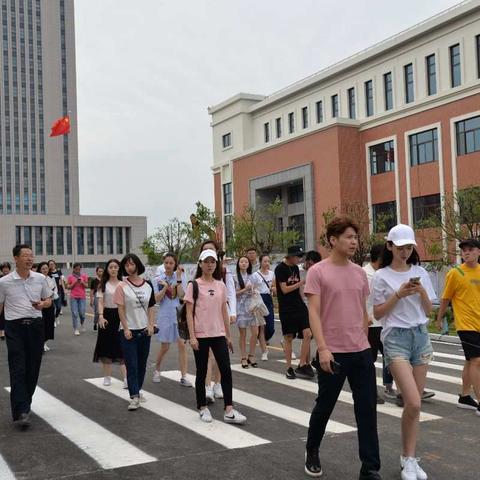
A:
462,288
293,312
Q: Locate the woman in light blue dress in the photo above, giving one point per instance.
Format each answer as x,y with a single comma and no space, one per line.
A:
169,287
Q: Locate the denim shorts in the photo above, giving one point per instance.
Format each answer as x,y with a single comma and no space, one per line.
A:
409,344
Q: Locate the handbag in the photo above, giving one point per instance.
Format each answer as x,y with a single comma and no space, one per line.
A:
182,314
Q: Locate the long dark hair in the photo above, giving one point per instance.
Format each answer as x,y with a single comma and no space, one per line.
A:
174,257
106,276
386,257
239,275
219,273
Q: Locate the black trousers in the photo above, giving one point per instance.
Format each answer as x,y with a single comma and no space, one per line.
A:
25,339
219,348
359,369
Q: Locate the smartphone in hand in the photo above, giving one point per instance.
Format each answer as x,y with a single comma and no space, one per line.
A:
414,281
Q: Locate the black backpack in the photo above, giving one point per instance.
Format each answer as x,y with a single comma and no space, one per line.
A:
182,314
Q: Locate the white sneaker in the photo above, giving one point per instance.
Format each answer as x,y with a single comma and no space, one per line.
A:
156,377
46,348
125,384
142,398
76,332
210,395
134,404
55,324
411,470
205,415
107,381
83,329
294,357
185,382
264,357
217,390
235,417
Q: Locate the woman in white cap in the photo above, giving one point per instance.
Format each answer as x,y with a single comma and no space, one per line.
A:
402,298
209,327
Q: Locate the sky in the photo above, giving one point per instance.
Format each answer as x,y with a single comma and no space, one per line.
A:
147,70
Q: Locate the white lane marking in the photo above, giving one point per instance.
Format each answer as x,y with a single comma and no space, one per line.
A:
309,386
435,376
5,472
442,396
106,448
217,431
441,342
449,355
275,409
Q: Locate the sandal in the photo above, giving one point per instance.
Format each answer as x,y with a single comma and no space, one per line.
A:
253,364
244,365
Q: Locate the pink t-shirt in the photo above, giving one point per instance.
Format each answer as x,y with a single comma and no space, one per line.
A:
343,292
78,291
212,296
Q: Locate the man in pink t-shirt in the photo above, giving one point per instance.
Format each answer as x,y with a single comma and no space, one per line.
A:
77,282
337,291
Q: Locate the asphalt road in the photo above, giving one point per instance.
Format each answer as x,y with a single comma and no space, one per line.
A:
81,430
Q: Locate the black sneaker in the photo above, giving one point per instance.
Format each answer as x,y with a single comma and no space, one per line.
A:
399,400
23,421
467,402
315,364
426,394
380,400
290,374
305,371
369,475
312,464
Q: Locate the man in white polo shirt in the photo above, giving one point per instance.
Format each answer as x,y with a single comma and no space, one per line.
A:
23,295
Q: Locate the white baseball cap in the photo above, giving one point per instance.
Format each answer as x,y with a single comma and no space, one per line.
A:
209,253
401,235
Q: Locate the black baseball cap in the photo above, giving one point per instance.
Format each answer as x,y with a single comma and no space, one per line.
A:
295,251
469,242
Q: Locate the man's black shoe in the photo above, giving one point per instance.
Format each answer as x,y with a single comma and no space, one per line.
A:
399,400
23,421
369,475
290,374
312,463
315,364
305,371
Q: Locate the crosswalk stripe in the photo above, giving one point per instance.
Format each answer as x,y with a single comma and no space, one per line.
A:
106,448
441,396
294,415
226,435
435,376
308,386
449,355
5,472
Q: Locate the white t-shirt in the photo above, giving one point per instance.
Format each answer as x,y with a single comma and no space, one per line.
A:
370,271
259,283
108,295
408,311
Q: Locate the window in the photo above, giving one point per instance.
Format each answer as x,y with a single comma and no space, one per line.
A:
384,216
382,158
477,45
295,193
423,147
468,136
100,249
291,122
278,127
455,73
266,132
426,208
351,103
59,240
49,240
388,90
119,239
228,226
38,241
69,240
369,98
334,106
109,240
296,223
90,241
80,241
227,199
128,233
305,117
409,86
18,235
431,75
227,140
319,111
27,235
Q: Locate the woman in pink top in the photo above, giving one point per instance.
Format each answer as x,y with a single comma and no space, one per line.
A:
77,282
209,328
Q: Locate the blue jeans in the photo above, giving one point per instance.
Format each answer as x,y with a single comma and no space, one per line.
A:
78,311
58,306
135,354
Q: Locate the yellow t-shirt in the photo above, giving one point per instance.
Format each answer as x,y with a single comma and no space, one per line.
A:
462,287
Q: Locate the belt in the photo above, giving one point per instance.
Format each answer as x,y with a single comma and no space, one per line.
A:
25,321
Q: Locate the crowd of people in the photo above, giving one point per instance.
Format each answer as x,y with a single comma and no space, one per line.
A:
350,312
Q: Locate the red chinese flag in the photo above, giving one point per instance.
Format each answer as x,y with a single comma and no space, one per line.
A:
61,127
